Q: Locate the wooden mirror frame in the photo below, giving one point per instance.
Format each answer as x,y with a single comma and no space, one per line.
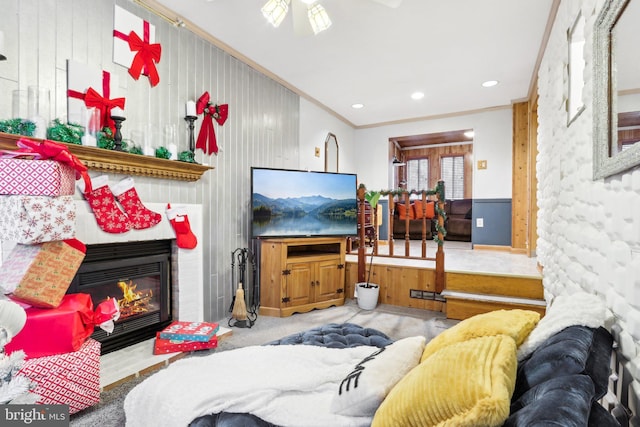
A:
330,150
605,107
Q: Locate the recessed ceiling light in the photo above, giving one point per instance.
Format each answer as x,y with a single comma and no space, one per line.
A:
469,134
357,106
490,83
417,95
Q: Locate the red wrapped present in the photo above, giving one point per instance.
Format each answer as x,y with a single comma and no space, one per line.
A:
37,219
36,177
41,274
163,346
71,379
50,331
189,331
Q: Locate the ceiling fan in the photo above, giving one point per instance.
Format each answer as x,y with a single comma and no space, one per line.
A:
308,15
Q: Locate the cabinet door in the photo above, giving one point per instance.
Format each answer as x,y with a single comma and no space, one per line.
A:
299,281
329,278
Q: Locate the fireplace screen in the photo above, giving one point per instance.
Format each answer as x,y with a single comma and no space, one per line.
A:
137,275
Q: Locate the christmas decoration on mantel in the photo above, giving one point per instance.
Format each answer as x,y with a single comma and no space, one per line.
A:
207,136
134,47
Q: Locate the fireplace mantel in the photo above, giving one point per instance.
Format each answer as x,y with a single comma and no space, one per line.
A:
110,161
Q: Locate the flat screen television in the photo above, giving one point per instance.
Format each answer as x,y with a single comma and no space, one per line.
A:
295,203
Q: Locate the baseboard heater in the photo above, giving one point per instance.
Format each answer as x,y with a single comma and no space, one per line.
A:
419,294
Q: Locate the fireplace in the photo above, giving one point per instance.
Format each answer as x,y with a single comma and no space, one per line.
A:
138,275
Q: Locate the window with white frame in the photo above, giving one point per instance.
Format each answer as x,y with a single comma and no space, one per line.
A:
452,172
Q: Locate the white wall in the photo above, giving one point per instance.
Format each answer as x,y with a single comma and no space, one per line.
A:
492,142
315,124
589,231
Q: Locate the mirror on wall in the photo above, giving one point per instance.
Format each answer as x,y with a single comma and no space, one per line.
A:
575,69
331,153
616,91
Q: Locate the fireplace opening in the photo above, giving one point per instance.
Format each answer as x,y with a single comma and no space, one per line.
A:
138,276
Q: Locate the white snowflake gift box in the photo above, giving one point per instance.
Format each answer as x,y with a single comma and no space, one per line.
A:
37,219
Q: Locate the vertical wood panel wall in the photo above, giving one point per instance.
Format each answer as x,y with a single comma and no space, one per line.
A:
262,128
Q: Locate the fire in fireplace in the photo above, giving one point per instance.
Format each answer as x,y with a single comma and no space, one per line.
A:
138,276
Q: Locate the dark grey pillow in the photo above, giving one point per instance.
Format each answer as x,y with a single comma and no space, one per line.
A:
563,401
574,350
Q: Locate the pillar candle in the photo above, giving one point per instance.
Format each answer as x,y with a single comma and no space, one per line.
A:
191,108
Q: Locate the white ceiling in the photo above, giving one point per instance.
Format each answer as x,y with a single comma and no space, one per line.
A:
379,56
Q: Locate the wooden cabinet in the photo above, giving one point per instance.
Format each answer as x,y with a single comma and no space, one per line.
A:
300,274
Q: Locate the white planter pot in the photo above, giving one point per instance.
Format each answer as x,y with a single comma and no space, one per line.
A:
367,297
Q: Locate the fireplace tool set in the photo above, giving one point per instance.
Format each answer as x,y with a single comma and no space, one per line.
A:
246,300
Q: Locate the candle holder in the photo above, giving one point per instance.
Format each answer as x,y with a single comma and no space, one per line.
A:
192,142
117,137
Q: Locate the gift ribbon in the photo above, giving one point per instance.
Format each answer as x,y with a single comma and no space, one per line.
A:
147,54
207,136
106,313
102,102
49,150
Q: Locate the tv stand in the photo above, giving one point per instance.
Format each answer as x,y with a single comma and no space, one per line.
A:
301,274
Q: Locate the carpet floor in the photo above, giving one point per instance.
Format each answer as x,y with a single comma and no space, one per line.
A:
396,322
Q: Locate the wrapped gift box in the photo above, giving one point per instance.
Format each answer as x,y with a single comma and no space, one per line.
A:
163,346
40,275
36,219
50,331
189,331
72,378
36,178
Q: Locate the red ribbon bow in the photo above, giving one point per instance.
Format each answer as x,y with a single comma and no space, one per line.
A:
207,136
147,56
93,99
50,150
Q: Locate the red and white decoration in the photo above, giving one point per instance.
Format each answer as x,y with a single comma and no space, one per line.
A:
139,216
89,87
134,45
207,136
179,220
71,378
109,216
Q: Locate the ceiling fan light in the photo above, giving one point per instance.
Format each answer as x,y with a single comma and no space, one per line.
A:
275,11
318,18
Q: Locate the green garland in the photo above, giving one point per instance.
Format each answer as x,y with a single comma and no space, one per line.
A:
163,153
187,157
65,132
18,127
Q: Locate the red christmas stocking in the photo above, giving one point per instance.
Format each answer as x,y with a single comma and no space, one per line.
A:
180,223
108,215
139,215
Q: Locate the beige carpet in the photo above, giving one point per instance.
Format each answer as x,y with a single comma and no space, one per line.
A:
396,322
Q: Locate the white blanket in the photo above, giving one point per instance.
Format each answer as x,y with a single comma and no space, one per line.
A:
287,385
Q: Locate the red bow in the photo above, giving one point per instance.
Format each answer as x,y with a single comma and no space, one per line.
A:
51,150
94,99
207,133
148,55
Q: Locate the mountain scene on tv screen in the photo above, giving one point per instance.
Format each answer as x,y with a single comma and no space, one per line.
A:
306,215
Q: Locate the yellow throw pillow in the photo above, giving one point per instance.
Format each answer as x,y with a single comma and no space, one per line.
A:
467,384
517,324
